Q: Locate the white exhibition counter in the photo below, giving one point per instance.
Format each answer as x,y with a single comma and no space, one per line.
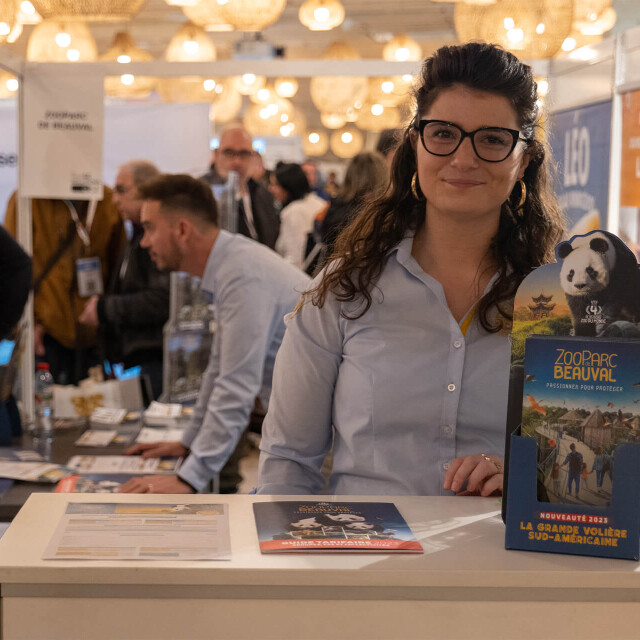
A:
464,586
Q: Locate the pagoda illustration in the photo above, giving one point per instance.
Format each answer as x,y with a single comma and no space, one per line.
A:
541,307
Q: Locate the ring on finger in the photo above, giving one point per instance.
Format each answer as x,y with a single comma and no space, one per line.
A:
497,465
149,488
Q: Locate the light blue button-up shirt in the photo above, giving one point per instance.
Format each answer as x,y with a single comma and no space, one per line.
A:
399,392
253,288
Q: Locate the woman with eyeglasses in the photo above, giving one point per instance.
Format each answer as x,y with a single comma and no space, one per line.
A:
398,356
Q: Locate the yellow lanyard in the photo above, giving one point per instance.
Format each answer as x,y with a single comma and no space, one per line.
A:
464,327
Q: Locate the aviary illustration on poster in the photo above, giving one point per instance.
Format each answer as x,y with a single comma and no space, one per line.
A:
580,401
286,526
573,419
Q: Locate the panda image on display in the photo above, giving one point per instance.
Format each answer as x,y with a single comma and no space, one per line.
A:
601,281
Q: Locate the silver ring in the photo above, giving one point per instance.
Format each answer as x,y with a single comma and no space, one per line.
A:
149,488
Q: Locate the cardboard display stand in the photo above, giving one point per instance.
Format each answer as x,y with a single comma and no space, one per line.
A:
573,422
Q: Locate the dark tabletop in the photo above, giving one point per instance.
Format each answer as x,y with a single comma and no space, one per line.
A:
59,450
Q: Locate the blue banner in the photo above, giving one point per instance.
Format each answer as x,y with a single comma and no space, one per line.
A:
580,140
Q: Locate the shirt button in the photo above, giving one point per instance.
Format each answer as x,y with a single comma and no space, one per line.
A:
451,387
457,344
445,466
447,429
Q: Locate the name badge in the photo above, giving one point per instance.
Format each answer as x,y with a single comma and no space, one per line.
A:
89,277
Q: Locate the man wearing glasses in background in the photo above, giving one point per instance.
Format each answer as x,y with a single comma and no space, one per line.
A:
257,217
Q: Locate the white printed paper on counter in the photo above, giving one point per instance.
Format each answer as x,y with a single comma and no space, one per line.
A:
148,434
123,464
33,471
141,531
101,438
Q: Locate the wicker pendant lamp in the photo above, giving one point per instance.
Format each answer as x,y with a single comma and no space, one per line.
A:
321,15
15,33
88,10
8,85
226,102
476,2
252,15
402,48
266,120
264,95
27,13
8,18
124,50
249,83
295,125
286,87
53,41
190,44
346,142
186,89
208,15
352,114
389,92
376,117
531,30
593,17
333,120
315,142
335,94
576,40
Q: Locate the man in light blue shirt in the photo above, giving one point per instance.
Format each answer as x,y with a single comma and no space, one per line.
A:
252,288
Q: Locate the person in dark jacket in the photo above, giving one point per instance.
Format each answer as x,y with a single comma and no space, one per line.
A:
15,282
366,177
135,307
257,217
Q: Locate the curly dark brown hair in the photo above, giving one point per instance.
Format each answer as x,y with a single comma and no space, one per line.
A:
523,241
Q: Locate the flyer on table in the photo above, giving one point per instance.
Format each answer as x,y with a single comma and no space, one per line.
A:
317,526
123,464
139,531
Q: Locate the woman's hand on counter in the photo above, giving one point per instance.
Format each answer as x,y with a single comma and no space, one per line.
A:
479,474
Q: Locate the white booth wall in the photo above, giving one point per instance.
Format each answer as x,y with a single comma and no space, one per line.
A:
175,137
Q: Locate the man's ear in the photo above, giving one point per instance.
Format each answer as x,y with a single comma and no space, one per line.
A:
184,229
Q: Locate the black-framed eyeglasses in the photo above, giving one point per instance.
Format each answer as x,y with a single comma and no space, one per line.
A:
243,154
491,144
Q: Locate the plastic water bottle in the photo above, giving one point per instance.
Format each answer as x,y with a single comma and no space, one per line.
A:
43,388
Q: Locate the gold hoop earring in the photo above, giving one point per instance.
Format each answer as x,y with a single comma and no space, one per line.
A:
414,186
523,196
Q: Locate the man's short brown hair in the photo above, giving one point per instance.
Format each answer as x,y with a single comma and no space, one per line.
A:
178,192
